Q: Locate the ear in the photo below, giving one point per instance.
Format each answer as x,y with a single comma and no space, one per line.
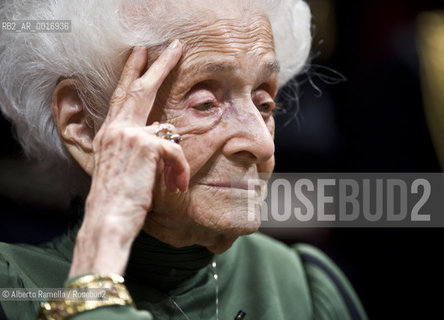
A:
72,123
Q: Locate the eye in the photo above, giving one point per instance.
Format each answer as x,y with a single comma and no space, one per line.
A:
266,107
204,106
263,99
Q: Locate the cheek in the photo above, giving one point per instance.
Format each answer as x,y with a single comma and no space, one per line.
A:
271,125
189,121
268,166
200,134
198,150
201,147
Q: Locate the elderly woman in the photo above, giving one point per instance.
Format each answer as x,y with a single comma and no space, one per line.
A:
148,108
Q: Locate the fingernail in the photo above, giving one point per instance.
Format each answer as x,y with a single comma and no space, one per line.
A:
174,44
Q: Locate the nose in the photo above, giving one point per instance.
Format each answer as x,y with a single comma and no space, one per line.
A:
250,139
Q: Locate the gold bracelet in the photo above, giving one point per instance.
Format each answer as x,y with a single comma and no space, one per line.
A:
115,294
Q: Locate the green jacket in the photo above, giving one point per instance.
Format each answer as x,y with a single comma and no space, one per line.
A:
258,275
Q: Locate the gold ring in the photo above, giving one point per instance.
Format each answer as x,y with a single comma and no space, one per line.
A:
164,131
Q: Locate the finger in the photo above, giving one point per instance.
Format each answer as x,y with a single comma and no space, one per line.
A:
180,179
163,65
131,71
142,92
177,169
174,180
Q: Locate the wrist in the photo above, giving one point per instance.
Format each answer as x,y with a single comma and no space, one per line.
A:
109,291
101,250
118,217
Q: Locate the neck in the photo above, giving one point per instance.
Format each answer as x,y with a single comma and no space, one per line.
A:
162,266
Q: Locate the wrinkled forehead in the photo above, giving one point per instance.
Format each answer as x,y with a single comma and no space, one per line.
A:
206,27
230,38
230,33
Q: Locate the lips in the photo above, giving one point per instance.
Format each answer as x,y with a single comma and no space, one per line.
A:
228,185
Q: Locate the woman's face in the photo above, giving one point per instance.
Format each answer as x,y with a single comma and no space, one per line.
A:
220,99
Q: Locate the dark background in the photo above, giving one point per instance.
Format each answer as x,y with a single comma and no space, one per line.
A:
371,122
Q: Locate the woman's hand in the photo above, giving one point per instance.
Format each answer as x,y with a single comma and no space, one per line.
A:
127,157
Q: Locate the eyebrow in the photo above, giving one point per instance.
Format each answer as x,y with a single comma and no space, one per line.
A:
212,67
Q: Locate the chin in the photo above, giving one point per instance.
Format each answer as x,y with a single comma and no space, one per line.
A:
221,245
210,217
226,212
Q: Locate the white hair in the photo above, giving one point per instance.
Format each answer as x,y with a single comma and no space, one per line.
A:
102,35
